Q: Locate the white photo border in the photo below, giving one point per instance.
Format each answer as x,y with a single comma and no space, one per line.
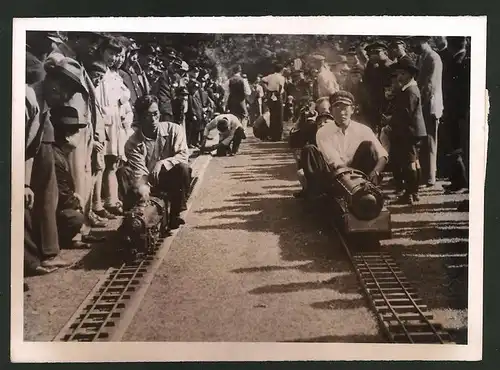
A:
475,27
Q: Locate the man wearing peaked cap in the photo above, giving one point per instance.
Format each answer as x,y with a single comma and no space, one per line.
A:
342,142
70,216
377,72
397,50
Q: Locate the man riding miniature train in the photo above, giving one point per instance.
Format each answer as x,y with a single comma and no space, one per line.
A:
157,161
231,133
341,142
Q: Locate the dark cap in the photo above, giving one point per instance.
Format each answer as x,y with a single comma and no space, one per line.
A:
342,97
170,52
378,45
147,50
194,68
405,64
394,43
64,116
352,51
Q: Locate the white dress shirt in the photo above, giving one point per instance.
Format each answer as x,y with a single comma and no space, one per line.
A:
339,148
275,82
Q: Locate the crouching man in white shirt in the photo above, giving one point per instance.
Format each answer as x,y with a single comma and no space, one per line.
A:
342,142
231,133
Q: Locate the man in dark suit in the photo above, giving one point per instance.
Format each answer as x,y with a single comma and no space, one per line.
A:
407,129
239,90
194,115
377,72
456,112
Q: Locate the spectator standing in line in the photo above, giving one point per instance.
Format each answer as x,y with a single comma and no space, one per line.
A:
79,46
275,84
326,82
377,73
61,83
407,130
239,90
456,119
430,84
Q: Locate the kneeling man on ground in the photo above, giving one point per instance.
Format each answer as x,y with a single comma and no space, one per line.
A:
157,156
342,142
231,133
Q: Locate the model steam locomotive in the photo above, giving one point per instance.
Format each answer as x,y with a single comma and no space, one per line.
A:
359,204
142,227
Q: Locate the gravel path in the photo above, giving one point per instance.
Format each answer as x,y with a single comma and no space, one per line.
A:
251,264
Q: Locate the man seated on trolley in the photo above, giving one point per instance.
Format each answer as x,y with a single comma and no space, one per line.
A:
342,142
157,158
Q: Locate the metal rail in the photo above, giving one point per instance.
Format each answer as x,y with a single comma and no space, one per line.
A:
400,312
100,314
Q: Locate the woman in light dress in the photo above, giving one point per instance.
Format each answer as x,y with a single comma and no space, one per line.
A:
114,98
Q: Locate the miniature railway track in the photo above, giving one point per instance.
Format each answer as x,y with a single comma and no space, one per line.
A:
99,317
401,313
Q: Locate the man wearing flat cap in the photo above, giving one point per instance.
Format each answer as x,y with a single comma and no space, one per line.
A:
377,73
342,142
407,129
429,80
60,84
130,76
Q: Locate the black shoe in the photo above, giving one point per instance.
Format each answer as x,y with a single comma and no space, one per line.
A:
405,199
454,189
175,222
103,213
415,197
300,194
116,209
463,206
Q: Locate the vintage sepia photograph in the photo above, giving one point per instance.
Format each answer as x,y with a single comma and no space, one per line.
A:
205,187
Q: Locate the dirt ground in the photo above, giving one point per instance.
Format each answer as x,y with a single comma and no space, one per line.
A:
255,264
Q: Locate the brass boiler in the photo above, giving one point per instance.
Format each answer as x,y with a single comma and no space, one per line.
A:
363,199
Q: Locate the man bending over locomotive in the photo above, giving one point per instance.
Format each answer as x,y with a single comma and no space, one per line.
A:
231,133
157,156
342,142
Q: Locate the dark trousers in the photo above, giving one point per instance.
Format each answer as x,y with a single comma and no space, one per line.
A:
428,154
44,185
405,162
31,250
175,183
317,172
235,143
69,222
459,152
276,118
